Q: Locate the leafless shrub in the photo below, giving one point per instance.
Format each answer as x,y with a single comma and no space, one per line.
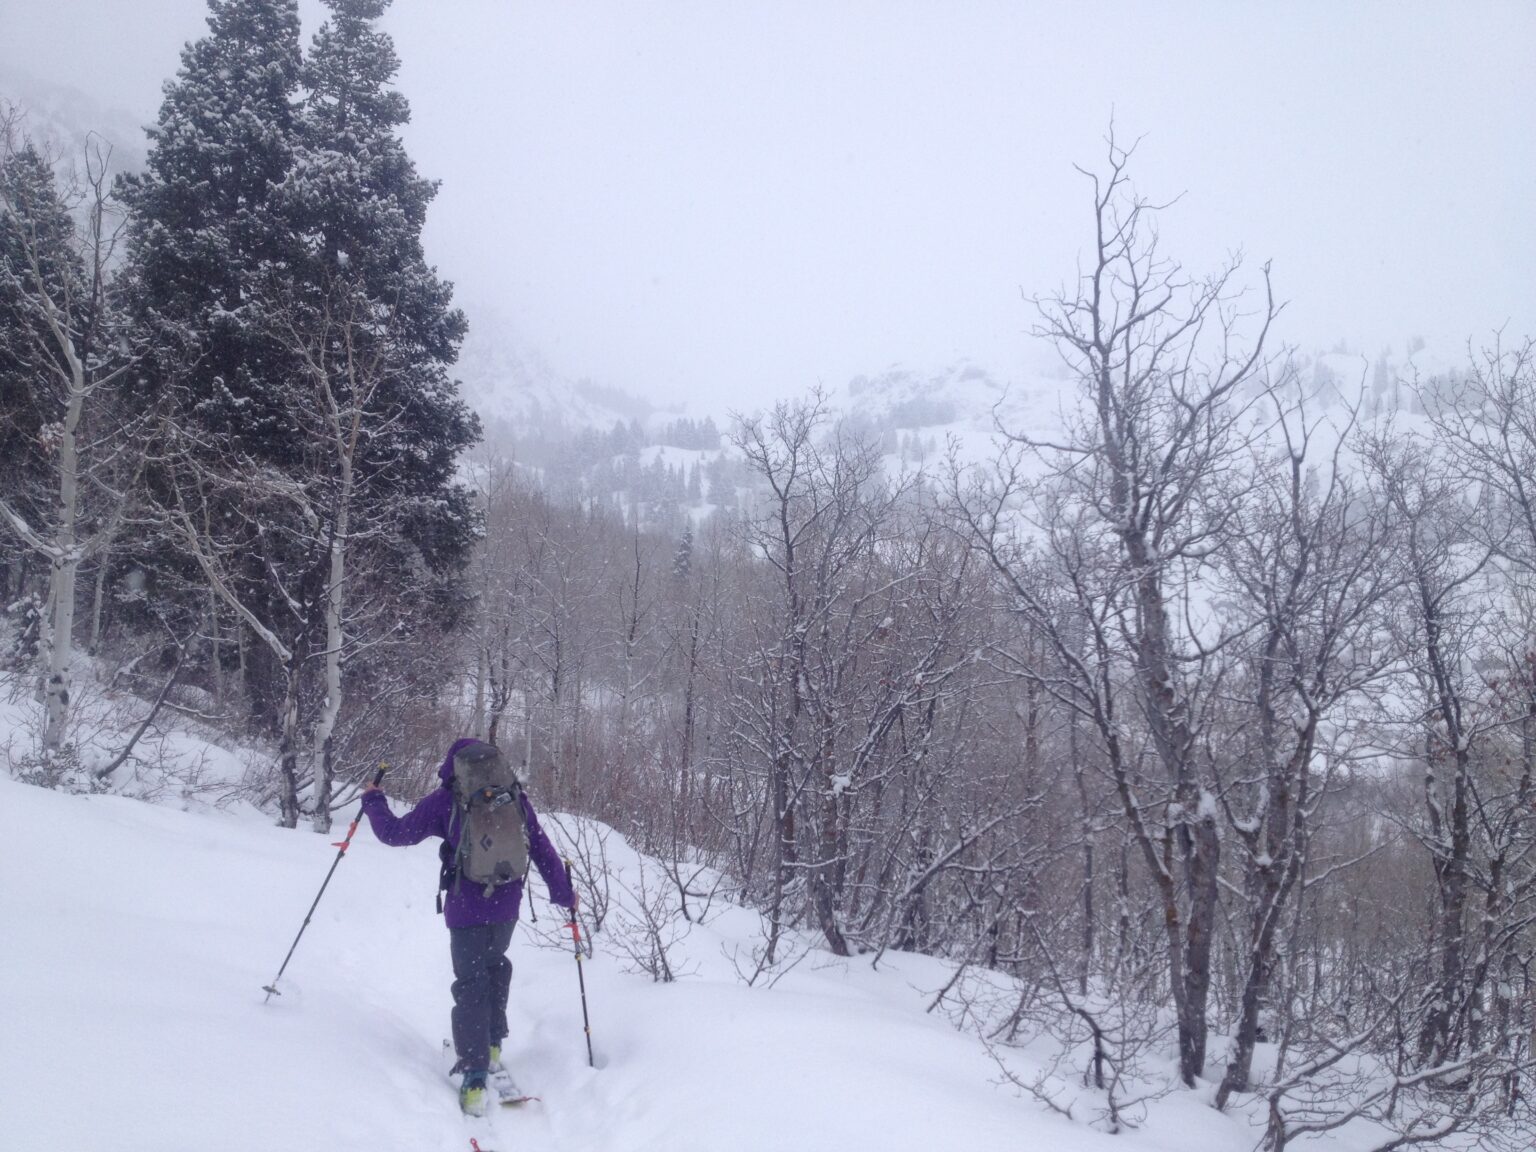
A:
648,924
757,965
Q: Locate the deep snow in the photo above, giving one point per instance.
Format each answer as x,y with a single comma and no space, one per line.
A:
130,987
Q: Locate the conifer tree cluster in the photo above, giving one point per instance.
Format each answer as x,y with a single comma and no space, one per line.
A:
284,350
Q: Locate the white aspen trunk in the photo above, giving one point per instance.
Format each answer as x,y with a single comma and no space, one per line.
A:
628,683
335,638
45,635
59,649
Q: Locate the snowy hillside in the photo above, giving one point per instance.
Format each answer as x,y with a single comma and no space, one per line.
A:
66,119
970,402
131,988
963,394
135,1018
511,385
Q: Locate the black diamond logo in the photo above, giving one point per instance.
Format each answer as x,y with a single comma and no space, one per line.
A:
486,842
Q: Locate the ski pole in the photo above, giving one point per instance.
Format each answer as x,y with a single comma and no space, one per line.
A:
581,977
341,850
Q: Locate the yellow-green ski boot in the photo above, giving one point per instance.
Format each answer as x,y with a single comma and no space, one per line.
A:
472,1094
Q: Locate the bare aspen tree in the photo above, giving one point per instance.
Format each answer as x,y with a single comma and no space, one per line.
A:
1129,505
1446,613
633,642
855,650
1485,423
1310,567
342,346
810,531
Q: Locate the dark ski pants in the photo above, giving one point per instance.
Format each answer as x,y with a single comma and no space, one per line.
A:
482,977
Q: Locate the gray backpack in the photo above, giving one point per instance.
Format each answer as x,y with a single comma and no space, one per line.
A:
493,839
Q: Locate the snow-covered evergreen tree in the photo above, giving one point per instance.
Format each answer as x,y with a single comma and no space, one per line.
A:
377,333
208,224
210,233
277,255
34,226
362,205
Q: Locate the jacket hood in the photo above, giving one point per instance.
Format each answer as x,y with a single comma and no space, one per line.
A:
445,773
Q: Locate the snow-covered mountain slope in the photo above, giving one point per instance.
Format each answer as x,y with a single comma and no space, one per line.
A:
964,394
135,1021
920,413
65,120
510,384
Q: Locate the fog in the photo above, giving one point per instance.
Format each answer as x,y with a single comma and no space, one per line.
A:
716,204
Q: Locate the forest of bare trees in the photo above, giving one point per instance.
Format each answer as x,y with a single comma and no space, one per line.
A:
1208,718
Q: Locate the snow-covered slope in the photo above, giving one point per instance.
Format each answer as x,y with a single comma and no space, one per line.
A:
66,120
969,398
509,383
130,987
964,394
920,414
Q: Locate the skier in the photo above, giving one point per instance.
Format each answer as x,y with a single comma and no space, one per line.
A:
480,915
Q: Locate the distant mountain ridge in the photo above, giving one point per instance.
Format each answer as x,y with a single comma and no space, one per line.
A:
966,397
64,120
963,395
512,386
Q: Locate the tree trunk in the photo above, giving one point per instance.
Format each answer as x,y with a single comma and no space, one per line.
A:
98,599
288,748
1271,883
1195,830
823,889
1199,936
685,780
215,643
335,640
59,650
1085,826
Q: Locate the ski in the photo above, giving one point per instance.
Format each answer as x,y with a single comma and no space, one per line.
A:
508,1094
500,1083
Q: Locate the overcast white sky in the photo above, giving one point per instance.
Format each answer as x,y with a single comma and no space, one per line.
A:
724,202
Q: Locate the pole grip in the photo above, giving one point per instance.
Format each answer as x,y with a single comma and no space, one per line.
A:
379,775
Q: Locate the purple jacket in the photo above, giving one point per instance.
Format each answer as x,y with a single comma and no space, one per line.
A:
467,904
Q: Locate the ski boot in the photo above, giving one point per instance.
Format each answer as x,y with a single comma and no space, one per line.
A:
473,1094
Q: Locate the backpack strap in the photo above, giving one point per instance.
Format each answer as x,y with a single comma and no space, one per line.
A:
447,870
447,853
